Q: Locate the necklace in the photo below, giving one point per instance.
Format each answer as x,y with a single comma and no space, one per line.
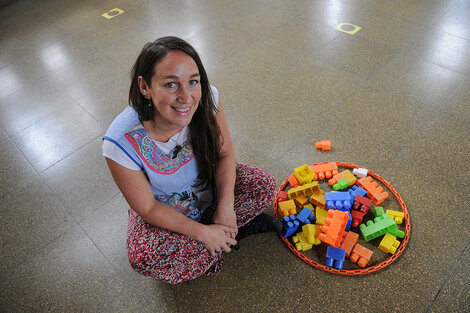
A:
177,148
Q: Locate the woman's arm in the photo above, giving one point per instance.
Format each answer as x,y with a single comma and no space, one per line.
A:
138,194
225,176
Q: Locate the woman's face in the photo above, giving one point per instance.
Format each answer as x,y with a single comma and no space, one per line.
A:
175,90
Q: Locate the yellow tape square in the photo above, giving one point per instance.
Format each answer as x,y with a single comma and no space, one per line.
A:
348,28
112,13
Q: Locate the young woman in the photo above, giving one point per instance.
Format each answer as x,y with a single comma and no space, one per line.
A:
171,155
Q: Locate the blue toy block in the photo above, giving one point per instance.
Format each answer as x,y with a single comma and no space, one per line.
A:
339,200
306,216
335,257
291,224
350,219
355,190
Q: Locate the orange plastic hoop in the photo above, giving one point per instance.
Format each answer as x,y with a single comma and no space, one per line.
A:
365,270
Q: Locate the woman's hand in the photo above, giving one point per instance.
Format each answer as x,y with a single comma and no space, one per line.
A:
225,215
216,237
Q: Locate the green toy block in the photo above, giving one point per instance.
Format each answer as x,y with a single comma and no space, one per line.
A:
341,184
381,225
378,211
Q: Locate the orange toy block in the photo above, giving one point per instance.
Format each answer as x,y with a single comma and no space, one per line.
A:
375,193
303,191
304,174
349,242
293,181
344,174
287,208
324,170
321,215
361,255
318,199
332,231
323,145
301,201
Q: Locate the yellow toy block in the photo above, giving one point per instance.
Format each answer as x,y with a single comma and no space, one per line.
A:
397,216
303,191
318,199
308,237
350,177
389,244
321,214
304,174
287,208
301,201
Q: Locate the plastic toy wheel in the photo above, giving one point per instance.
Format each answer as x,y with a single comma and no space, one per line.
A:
374,265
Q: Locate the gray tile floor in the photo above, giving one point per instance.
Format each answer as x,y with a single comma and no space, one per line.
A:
394,98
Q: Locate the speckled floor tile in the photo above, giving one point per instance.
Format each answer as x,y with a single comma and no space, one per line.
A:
458,105
82,180
455,21
453,297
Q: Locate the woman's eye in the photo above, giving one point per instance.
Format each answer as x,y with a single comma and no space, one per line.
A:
170,85
193,82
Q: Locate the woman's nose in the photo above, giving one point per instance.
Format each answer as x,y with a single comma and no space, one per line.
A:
184,95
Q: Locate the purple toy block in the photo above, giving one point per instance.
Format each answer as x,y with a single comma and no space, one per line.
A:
335,256
338,200
355,190
291,224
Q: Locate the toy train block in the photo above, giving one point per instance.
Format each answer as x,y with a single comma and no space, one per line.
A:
348,242
293,181
324,145
308,237
355,190
304,174
361,204
389,244
335,257
287,208
357,217
318,199
332,231
306,215
324,170
338,200
377,194
346,174
282,196
397,216
381,225
303,191
361,255
360,172
321,215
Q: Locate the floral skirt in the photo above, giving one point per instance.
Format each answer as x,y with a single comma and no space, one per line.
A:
173,257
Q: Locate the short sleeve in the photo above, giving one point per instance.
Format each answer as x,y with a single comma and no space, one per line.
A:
215,96
111,151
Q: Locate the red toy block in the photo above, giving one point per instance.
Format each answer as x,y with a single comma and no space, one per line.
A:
361,255
362,204
332,231
349,241
324,170
281,196
377,194
293,181
323,145
357,217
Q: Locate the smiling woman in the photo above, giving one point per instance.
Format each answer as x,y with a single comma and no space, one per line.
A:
171,155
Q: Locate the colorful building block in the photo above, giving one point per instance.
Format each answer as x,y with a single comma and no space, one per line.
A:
349,241
324,170
335,257
355,190
287,208
360,172
346,174
318,199
341,184
282,196
381,225
324,145
332,231
338,200
357,217
359,209
321,215
301,201
389,244
361,255
374,192
291,224
308,237
293,182
397,216
304,174
306,215
304,190
378,211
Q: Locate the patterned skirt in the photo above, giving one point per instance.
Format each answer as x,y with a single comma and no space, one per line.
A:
175,258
